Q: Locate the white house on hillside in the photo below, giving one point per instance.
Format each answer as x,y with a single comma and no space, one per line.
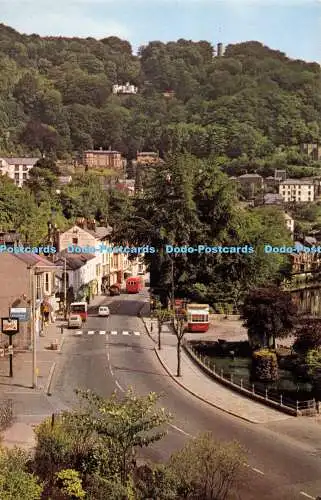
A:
17,169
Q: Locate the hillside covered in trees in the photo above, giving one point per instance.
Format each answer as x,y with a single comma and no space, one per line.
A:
252,104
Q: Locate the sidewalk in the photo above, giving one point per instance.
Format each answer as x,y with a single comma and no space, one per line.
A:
30,406
194,381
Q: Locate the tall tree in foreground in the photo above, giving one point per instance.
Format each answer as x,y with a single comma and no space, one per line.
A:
269,313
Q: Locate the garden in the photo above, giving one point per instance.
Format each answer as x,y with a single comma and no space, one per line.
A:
287,375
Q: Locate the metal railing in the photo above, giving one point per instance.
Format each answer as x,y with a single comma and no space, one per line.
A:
268,395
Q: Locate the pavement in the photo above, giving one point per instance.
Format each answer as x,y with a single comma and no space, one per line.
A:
32,405
197,383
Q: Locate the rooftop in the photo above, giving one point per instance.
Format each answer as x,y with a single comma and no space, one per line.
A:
73,261
297,182
244,176
36,260
21,161
102,151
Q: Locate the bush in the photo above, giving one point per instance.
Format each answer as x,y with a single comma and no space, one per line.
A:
15,481
265,366
207,469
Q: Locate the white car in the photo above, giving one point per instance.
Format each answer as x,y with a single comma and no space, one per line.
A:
74,321
103,311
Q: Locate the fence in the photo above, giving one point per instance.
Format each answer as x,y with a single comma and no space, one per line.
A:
6,413
269,397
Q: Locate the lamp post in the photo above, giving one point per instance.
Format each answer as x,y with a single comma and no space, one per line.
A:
32,287
65,288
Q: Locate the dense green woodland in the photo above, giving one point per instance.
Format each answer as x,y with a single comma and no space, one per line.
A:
248,110
252,103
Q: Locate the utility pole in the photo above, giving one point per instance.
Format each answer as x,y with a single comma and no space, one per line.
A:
173,284
32,285
65,288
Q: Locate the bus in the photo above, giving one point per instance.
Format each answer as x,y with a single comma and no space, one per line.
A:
198,317
134,284
79,308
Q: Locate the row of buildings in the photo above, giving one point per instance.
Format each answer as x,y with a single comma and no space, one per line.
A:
64,275
18,169
282,189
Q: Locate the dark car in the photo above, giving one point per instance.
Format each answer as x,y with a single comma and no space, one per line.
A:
114,289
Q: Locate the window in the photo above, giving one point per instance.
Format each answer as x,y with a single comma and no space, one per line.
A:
75,241
24,176
38,287
25,168
47,283
198,318
16,168
98,270
16,177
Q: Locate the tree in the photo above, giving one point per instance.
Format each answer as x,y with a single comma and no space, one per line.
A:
15,480
37,135
269,313
179,326
162,316
308,336
123,425
207,469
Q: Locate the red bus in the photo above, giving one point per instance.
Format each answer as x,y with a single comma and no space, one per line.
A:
79,308
198,317
134,284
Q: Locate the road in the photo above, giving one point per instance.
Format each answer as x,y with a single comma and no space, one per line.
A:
282,466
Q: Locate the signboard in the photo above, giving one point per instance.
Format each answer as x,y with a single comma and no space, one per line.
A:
9,326
21,313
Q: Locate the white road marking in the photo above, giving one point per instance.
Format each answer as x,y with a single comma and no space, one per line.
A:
257,470
111,370
125,333
91,332
102,332
113,332
306,495
78,332
119,386
108,356
181,430
137,333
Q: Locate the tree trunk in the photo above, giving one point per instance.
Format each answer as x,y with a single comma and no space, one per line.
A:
179,358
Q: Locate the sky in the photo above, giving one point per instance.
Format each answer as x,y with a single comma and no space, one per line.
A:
291,26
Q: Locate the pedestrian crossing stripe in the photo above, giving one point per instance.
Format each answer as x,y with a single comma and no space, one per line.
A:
104,332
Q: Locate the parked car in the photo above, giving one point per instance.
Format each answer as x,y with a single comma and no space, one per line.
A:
75,321
114,289
103,311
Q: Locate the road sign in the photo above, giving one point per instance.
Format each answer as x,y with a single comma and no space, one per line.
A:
21,313
9,326
10,349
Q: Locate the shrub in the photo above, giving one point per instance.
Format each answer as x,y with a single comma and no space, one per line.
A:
207,469
265,366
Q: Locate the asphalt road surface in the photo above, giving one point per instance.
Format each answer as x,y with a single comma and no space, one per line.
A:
281,466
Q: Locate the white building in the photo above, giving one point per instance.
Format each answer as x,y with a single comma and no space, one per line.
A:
17,169
125,89
297,190
289,222
86,235
80,270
